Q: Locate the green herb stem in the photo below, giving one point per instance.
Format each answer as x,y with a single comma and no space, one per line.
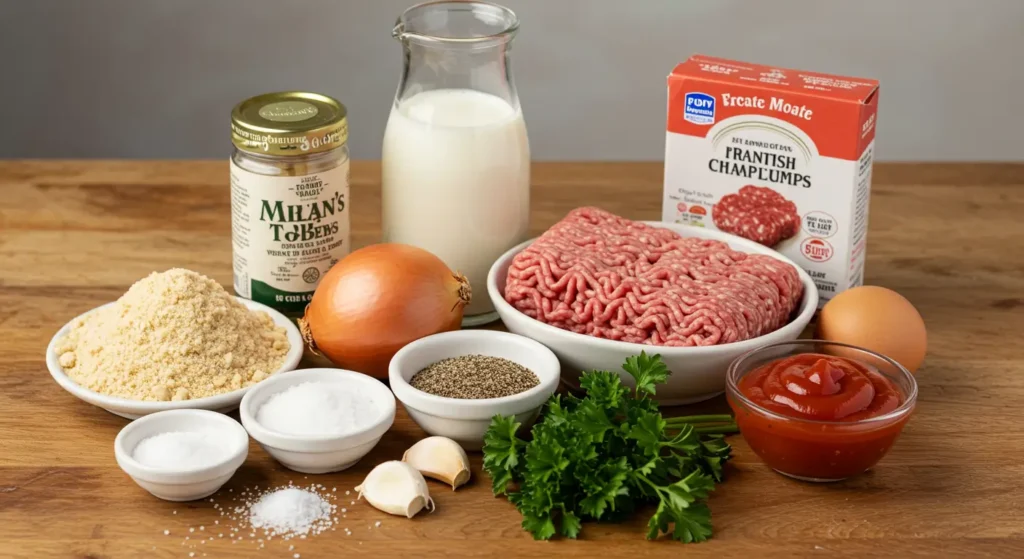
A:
717,430
717,424
695,419
643,478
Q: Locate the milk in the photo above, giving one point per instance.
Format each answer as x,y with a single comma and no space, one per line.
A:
456,181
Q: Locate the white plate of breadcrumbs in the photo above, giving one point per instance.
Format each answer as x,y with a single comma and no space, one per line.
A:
175,340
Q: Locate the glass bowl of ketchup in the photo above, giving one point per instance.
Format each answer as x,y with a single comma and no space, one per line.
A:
819,411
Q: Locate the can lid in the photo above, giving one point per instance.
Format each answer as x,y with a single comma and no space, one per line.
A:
289,123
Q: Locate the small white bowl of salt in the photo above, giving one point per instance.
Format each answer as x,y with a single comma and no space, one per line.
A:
316,421
182,455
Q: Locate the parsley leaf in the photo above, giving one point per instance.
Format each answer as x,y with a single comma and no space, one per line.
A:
603,389
691,488
602,488
544,456
691,525
556,411
686,439
541,526
647,371
648,432
593,419
714,453
501,452
571,524
679,506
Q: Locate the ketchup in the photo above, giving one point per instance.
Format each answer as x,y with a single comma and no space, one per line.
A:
822,387
812,415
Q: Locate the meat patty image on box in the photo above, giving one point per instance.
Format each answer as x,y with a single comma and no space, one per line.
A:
778,156
757,213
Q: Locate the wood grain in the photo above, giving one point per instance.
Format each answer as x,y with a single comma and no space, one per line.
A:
76,234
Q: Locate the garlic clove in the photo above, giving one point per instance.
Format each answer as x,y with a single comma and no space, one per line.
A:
440,458
396,488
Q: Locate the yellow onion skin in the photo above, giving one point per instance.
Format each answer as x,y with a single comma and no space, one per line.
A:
378,299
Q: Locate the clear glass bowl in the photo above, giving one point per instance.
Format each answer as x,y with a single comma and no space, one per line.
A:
816,450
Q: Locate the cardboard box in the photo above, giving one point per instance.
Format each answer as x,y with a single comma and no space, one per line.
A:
779,156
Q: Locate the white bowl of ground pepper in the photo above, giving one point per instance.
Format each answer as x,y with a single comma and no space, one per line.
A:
453,383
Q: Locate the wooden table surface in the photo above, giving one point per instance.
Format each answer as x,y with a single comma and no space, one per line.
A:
74,235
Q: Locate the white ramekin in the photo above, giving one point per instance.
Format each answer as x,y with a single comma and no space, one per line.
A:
318,454
466,420
177,484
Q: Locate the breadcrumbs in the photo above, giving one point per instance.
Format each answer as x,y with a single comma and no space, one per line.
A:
175,335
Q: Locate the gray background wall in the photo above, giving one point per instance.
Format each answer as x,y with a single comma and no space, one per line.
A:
157,79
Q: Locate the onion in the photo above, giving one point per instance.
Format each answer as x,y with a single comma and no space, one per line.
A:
378,299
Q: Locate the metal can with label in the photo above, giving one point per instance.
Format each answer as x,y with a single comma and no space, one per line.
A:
289,196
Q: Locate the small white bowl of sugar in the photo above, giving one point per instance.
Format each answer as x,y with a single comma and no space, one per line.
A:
318,420
181,455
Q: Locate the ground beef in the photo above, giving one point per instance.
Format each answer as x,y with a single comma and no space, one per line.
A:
603,275
757,213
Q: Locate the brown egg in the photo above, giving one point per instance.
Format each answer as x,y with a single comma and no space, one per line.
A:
878,319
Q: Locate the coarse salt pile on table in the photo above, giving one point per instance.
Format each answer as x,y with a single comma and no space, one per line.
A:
257,517
175,335
599,274
291,512
319,408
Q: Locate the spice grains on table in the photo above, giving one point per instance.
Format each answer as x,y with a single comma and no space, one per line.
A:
74,235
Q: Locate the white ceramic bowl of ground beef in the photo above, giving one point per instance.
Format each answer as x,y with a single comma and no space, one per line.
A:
698,373
134,409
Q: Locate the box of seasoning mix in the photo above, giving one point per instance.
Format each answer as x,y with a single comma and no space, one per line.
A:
778,156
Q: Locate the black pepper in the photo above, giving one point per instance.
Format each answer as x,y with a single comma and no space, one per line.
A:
470,377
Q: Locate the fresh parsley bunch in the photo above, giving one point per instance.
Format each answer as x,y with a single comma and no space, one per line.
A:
602,456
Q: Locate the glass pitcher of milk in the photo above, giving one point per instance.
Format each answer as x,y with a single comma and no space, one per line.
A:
455,160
